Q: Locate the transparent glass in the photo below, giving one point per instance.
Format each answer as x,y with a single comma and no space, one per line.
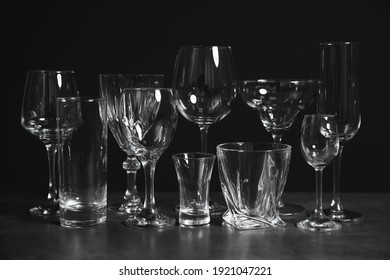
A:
149,118
204,85
82,161
278,102
319,146
193,172
250,175
38,116
339,96
111,89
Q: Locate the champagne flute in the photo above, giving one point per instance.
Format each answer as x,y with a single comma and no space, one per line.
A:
149,118
39,118
204,84
111,88
319,146
339,96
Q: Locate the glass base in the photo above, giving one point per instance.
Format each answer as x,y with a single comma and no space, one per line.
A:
45,211
320,225
244,222
149,218
215,209
344,216
291,210
125,209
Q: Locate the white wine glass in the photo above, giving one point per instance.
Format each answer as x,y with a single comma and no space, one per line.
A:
112,87
319,146
38,117
204,81
149,118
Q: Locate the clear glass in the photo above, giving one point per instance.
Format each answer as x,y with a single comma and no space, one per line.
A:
250,175
319,146
339,96
149,118
111,89
38,116
278,102
204,85
82,161
193,172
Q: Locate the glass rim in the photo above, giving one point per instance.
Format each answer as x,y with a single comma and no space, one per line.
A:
191,155
147,88
51,71
272,80
130,75
330,43
86,99
281,147
205,47
318,115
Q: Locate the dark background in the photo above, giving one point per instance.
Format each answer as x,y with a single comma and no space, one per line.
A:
269,39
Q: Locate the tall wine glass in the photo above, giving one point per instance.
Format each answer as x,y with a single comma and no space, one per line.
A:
339,96
149,118
278,102
111,89
204,84
319,146
39,118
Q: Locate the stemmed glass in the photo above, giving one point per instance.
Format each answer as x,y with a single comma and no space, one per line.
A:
278,102
339,96
319,145
149,118
111,89
39,118
204,84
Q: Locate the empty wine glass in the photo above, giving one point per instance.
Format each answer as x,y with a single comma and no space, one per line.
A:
39,118
339,96
204,85
319,145
278,102
111,89
149,118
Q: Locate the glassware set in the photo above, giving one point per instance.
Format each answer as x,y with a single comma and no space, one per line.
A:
142,115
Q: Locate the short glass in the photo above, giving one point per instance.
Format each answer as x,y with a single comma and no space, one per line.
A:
193,172
251,174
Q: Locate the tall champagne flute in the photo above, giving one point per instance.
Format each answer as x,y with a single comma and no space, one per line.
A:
339,96
319,146
204,83
149,118
38,116
112,87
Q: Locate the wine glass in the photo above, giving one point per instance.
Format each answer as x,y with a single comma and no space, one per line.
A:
149,118
339,96
39,118
204,84
319,146
111,89
278,102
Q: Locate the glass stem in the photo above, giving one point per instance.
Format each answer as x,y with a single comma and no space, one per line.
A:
277,138
149,169
52,196
318,209
203,137
131,165
335,205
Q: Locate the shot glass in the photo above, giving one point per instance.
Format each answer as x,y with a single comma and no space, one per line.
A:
193,172
251,174
82,161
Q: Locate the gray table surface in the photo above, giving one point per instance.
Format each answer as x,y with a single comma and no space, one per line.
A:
26,237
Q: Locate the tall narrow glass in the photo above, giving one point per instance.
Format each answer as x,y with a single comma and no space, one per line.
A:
112,87
149,118
319,146
38,116
339,96
204,84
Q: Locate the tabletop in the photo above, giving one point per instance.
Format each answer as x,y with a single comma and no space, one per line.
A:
25,237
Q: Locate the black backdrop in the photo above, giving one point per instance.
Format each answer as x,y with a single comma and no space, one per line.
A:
269,40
